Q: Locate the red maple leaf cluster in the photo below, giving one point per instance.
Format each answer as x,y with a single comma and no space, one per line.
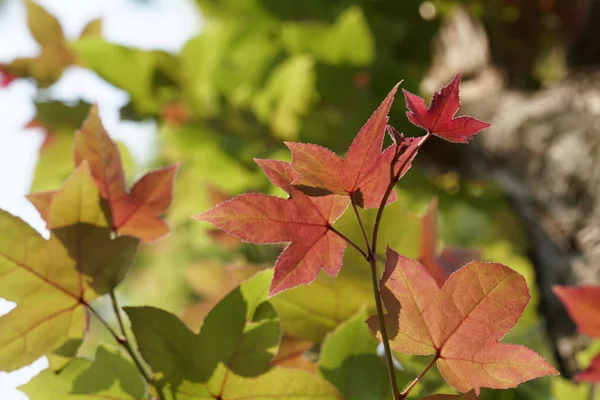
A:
363,175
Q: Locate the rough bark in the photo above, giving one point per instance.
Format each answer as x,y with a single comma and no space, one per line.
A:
544,151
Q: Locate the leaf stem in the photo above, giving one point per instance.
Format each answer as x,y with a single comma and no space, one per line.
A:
350,242
383,330
122,340
406,391
394,178
127,343
360,223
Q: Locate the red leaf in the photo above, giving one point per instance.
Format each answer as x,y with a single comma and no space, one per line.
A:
439,119
583,305
591,373
440,266
460,323
301,220
138,212
364,169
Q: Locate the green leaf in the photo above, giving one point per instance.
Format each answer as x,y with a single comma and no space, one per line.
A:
287,96
349,360
347,41
129,69
109,376
58,116
44,27
310,312
281,383
201,58
55,163
239,338
92,29
78,219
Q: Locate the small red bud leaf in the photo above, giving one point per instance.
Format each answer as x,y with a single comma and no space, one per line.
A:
439,119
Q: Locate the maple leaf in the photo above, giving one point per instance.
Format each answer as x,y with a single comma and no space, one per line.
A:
301,220
439,119
52,281
460,323
137,212
364,172
583,305
450,259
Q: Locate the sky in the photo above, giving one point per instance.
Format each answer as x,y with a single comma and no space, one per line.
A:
147,24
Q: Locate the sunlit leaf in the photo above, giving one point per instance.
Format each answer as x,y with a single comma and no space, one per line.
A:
197,366
52,281
349,360
108,376
461,323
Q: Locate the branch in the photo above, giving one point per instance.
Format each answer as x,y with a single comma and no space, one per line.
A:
123,341
383,330
350,242
360,223
394,178
406,391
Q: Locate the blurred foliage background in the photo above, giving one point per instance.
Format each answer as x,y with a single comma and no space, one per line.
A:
264,71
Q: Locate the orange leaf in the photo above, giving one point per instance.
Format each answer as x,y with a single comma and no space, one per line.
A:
461,323
138,212
364,172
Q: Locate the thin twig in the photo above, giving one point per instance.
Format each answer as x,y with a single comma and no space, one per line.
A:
394,177
360,223
406,391
350,242
125,342
122,340
393,180
118,338
383,330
